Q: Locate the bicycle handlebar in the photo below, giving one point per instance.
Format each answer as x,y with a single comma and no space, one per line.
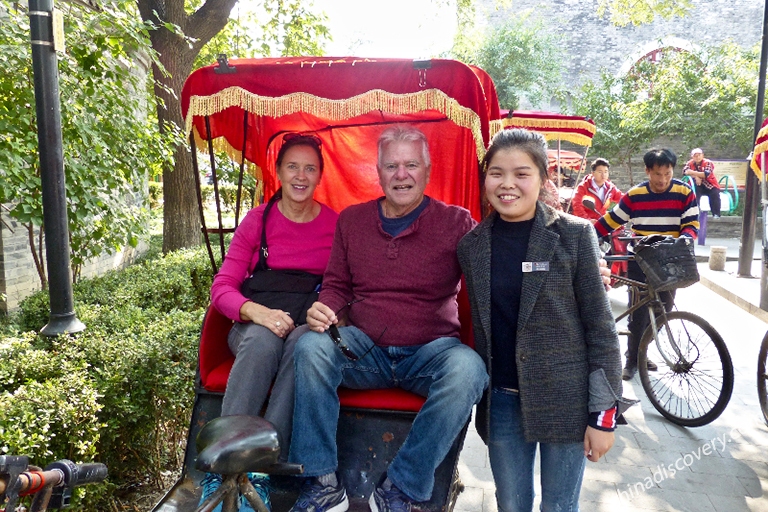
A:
56,482
76,475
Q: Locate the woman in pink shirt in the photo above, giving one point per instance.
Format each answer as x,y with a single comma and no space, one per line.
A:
299,236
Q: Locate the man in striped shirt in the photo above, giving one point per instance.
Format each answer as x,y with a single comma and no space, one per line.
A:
662,205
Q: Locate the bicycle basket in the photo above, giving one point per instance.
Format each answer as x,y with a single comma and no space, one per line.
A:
669,263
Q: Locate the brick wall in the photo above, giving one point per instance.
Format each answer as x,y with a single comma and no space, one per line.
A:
590,44
18,275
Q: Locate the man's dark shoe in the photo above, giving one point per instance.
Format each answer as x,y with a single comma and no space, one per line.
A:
393,500
316,497
628,372
651,366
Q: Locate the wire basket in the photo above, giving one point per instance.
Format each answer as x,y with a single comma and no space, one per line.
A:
668,263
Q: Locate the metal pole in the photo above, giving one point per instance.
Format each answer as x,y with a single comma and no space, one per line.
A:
45,68
747,246
764,202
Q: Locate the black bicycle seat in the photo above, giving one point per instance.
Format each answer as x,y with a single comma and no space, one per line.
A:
237,444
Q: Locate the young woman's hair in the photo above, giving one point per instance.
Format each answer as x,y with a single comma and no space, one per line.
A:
660,157
404,133
531,143
600,161
291,140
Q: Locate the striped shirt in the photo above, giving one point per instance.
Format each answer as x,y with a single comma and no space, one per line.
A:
603,420
674,212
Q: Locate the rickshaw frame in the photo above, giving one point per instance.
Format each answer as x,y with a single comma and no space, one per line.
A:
240,107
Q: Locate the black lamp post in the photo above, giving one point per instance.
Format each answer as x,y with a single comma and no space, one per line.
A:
45,68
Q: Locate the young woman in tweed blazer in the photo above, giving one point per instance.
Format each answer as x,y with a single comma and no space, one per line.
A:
543,326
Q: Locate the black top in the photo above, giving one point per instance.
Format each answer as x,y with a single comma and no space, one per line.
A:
509,244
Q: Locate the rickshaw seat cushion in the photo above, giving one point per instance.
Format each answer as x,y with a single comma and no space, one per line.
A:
215,358
387,399
216,362
218,376
392,399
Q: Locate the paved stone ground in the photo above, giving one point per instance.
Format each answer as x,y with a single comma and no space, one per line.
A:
724,464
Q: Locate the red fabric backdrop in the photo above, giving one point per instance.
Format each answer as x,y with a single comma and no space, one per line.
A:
349,144
761,146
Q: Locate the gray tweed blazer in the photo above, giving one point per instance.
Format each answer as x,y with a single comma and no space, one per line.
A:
567,354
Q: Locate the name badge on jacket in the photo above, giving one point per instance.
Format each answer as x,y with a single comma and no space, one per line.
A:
535,266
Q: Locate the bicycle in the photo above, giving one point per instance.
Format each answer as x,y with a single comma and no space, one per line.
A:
693,382
762,378
51,488
233,446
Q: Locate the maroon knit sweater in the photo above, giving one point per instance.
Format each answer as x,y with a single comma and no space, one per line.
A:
409,282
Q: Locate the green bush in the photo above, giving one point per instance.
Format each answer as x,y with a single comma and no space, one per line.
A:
120,392
155,195
228,197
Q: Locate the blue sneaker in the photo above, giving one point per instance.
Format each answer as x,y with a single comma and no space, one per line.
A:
393,500
260,482
315,497
210,484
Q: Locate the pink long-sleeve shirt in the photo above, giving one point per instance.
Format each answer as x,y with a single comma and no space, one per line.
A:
408,282
292,245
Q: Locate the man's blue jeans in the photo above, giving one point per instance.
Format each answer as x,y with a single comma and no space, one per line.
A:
451,375
562,465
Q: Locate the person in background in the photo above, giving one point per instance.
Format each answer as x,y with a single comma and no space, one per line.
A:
543,326
550,195
661,205
299,233
599,188
702,171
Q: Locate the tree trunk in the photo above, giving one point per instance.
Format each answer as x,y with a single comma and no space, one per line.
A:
181,224
181,221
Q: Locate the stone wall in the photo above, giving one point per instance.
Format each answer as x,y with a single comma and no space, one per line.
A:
18,275
590,44
730,227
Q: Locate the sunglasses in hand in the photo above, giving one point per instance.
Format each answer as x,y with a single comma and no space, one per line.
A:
335,336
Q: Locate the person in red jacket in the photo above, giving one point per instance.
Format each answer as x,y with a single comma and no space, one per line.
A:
703,172
599,188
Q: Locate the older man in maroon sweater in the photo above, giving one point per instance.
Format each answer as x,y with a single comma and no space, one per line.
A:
394,263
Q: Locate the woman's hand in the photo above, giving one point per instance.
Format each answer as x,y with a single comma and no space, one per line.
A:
276,320
320,317
597,443
605,274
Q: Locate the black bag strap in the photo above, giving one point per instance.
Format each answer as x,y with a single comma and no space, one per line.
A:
264,250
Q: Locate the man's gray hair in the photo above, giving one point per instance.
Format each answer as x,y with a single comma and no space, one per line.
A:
404,133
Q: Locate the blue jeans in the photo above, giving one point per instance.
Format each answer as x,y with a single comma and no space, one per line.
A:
562,465
451,375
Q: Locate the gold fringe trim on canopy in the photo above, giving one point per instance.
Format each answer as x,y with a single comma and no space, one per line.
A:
536,125
339,110
759,149
495,126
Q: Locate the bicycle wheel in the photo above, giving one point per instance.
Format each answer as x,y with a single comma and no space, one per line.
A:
762,377
694,389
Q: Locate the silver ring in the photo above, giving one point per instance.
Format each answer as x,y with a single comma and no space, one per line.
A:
277,324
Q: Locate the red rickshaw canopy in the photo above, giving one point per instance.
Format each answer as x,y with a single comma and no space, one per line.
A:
347,102
761,146
576,129
570,159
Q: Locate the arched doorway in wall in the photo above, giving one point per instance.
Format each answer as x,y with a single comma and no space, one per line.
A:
655,51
